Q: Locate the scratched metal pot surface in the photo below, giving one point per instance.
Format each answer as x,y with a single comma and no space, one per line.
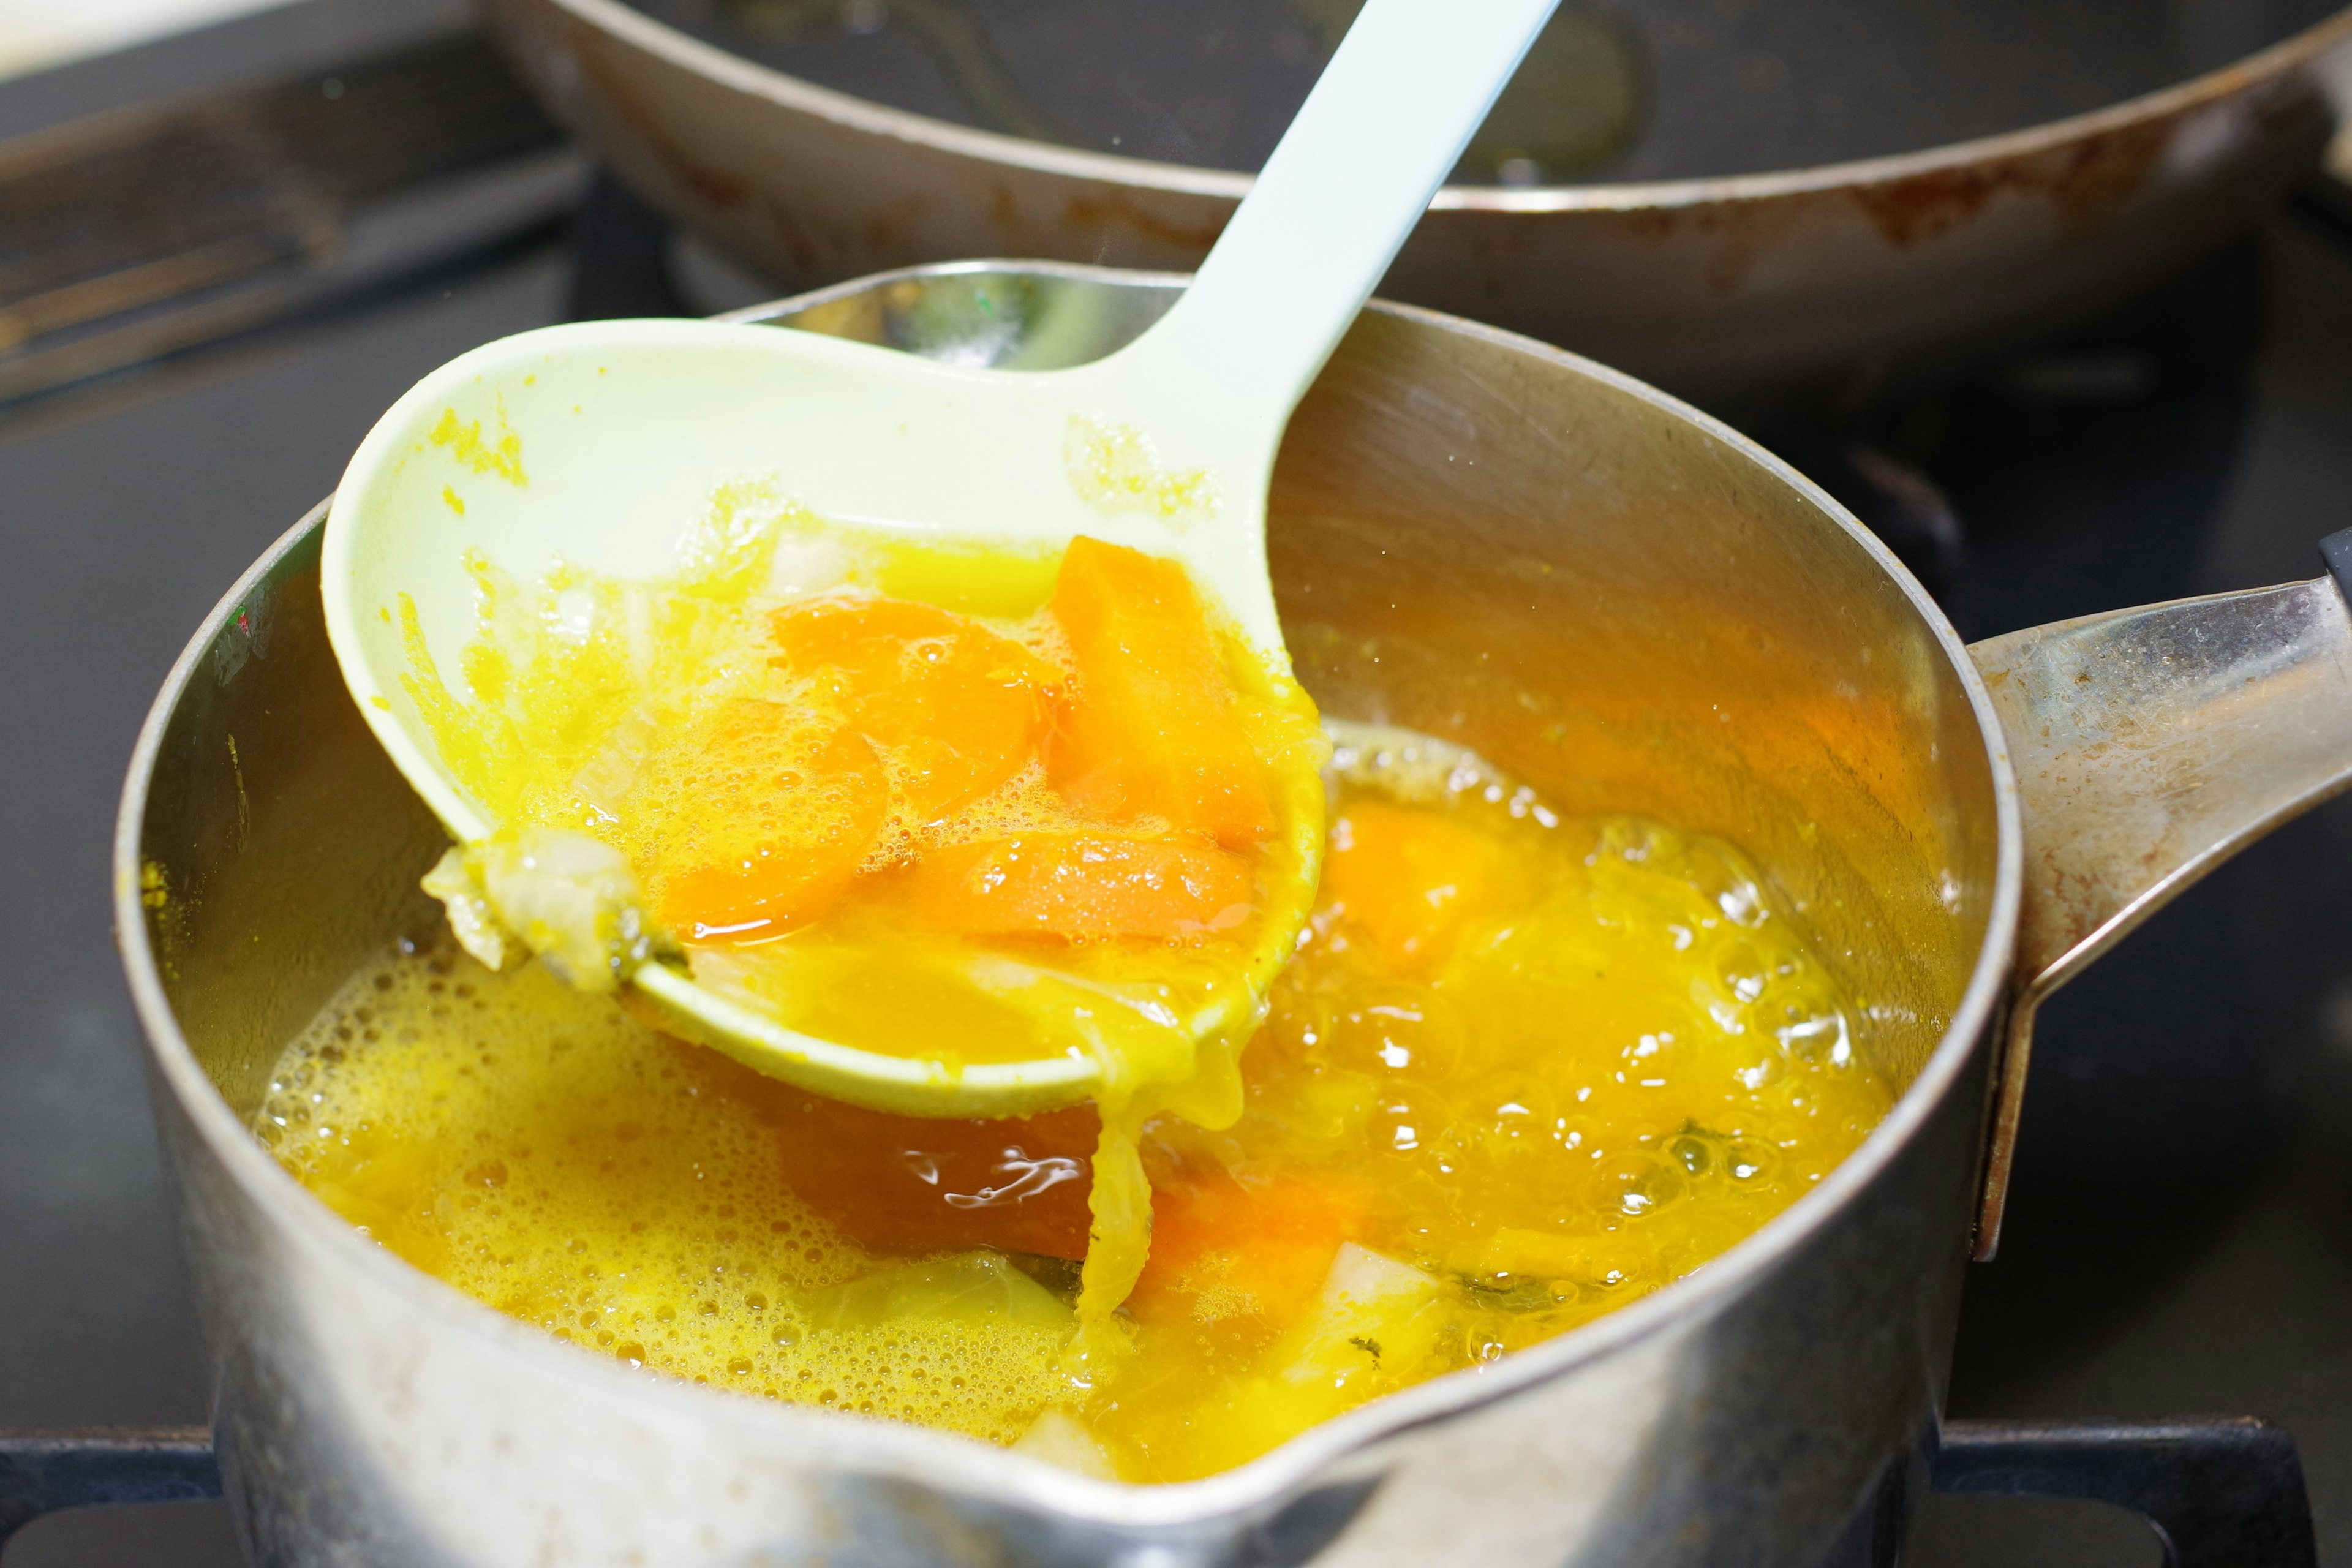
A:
1743,202
1620,600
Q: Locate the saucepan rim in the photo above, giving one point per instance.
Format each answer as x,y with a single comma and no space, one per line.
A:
712,62
978,1470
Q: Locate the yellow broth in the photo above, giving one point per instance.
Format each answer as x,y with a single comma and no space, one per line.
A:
1085,824
1522,1071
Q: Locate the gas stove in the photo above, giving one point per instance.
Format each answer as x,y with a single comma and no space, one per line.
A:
2175,1240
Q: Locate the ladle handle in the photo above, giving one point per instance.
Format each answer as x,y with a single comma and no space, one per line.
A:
1387,122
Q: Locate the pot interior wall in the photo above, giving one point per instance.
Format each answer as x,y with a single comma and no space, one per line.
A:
1472,536
1483,539
280,847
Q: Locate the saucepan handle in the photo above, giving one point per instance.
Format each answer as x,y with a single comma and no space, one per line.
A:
2219,1491
2149,745
43,1472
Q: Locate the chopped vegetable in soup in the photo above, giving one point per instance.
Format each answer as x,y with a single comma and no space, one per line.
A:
1522,1070
1084,821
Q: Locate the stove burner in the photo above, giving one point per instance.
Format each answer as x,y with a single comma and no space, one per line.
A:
2218,1491
43,1472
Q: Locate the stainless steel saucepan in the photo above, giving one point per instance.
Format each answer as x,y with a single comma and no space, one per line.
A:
1614,597
1800,199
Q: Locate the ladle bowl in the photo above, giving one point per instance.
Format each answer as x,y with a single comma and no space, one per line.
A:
598,445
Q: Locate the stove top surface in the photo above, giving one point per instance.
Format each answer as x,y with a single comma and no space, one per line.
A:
2179,1234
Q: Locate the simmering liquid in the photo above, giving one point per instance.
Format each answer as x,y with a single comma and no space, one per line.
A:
1522,1071
1083,821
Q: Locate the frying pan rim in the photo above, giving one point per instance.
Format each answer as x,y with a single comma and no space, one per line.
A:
712,62
1345,1445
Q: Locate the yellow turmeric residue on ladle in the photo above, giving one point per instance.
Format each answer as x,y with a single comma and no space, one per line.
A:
1521,1070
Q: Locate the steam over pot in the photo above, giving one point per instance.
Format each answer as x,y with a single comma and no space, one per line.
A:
1615,598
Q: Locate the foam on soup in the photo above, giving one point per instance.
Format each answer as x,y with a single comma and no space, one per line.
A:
1521,1071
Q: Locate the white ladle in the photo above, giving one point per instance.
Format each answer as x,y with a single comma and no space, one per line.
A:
594,442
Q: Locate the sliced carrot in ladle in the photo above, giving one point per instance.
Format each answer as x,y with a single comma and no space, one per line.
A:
1150,732
1078,887
780,823
955,708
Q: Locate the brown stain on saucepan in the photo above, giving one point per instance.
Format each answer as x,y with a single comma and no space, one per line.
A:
1033,215
2087,181
1739,232
1104,212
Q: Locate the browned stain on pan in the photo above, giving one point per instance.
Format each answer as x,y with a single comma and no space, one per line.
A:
1104,211
890,230
1002,210
1745,231
643,124
1737,233
2087,181
987,192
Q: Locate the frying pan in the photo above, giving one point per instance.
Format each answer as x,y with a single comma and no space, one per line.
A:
1738,200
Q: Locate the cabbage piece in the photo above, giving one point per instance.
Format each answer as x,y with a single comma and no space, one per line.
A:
477,928
1060,1438
568,897
1375,1318
606,779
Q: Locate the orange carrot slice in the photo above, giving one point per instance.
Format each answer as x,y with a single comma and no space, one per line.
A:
955,709
1151,731
778,825
1222,1252
1076,886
